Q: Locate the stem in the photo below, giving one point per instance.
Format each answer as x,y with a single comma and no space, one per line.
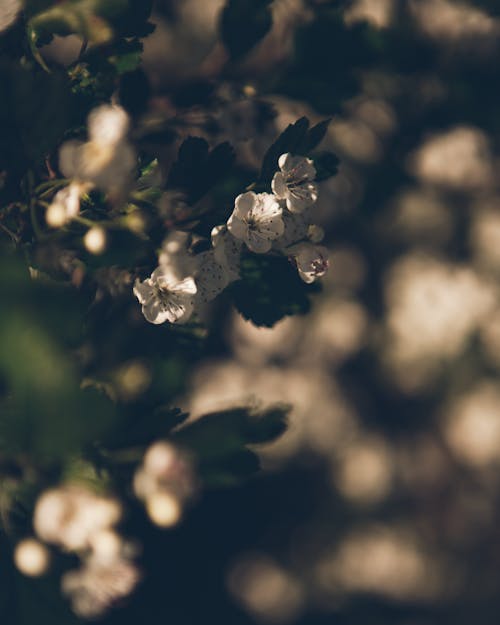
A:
32,206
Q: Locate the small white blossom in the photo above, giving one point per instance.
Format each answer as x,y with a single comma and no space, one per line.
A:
295,231
227,251
97,586
107,160
65,205
108,124
294,182
211,277
165,296
257,220
95,240
311,260
174,254
69,516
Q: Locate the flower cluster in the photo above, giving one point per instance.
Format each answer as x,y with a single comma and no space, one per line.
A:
106,162
263,223
165,482
78,521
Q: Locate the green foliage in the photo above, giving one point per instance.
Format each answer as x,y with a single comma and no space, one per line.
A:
97,21
45,413
220,441
243,24
31,127
269,290
197,168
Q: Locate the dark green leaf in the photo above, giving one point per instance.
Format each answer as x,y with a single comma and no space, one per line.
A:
269,290
290,140
243,24
197,169
327,165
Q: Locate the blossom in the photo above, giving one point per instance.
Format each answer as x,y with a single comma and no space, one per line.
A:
98,585
211,277
295,231
174,255
107,160
164,481
227,251
165,296
69,516
257,220
311,261
65,205
293,182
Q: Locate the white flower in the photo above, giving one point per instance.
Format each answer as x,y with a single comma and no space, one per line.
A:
174,254
108,124
69,516
165,296
97,586
296,228
211,277
107,160
294,182
256,220
65,205
311,261
227,251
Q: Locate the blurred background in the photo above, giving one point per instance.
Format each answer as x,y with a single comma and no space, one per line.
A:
380,504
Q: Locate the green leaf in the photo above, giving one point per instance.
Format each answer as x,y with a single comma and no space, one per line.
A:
35,111
326,164
243,24
314,137
220,441
197,168
270,288
290,140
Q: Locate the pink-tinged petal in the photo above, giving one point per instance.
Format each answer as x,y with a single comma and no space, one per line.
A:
237,227
143,290
257,243
243,204
278,186
311,261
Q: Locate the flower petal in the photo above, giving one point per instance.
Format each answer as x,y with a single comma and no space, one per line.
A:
266,207
237,227
257,243
243,204
273,228
278,186
154,311
143,290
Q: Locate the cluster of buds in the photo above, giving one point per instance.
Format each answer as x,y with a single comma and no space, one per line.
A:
165,482
81,522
